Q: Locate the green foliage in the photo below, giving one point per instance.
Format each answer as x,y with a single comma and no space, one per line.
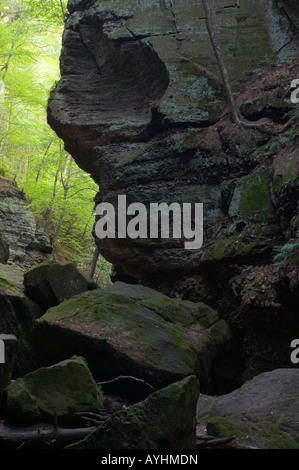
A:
266,60
274,146
285,251
60,193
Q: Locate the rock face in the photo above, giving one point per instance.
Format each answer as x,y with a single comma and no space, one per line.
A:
17,316
4,249
141,108
133,330
263,413
59,390
135,134
165,420
28,242
9,342
51,283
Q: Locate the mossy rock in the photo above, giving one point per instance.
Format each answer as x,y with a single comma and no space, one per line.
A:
133,330
249,227
50,283
262,434
4,249
251,198
165,420
56,391
262,413
11,279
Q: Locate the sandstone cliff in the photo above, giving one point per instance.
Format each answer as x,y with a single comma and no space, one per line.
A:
141,108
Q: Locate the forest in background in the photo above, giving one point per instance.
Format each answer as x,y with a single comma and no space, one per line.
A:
60,194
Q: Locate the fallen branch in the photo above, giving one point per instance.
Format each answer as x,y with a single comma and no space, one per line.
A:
214,442
94,418
205,441
33,436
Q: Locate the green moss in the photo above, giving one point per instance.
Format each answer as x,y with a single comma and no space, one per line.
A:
255,202
235,245
264,434
153,329
58,390
279,183
21,404
192,139
7,287
295,222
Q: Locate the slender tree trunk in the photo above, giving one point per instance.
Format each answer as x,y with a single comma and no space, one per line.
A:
65,179
94,261
50,213
39,170
220,61
62,10
264,128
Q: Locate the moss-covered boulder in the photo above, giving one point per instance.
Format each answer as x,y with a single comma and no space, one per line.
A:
50,283
4,249
165,420
263,413
261,434
56,391
133,330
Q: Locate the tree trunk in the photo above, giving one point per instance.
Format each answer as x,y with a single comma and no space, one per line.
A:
94,261
38,435
220,61
264,128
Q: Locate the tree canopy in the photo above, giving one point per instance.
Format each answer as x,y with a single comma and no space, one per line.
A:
59,192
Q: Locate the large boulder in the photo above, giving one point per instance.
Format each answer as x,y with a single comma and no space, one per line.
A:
52,393
165,420
133,330
263,413
50,283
